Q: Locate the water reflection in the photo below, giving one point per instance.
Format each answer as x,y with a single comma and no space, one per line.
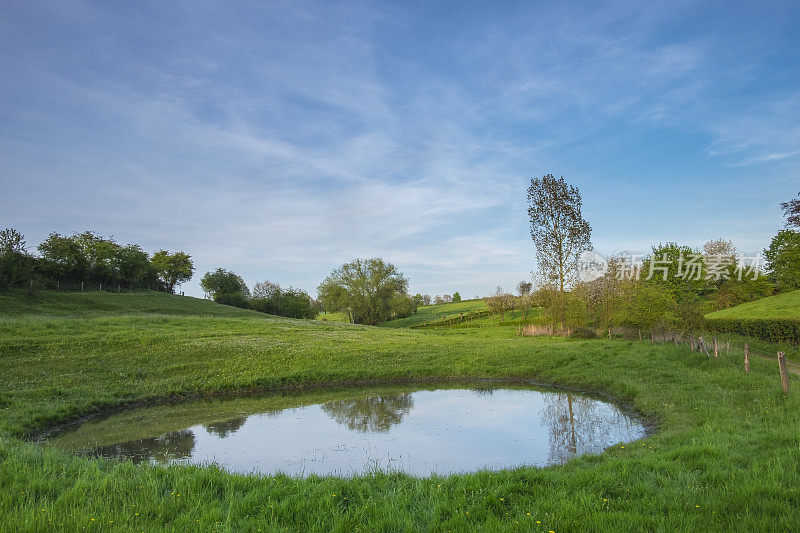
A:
577,423
225,428
341,432
173,446
371,414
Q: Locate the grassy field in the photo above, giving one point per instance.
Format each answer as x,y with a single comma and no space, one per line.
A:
725,456
786,305
97,304
434,313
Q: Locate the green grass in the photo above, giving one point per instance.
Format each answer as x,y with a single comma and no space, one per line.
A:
432,313
782,306
338,316
725,456
95,304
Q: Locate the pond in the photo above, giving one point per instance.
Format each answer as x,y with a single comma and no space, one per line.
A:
420,430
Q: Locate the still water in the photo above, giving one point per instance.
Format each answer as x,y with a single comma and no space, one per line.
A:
419,430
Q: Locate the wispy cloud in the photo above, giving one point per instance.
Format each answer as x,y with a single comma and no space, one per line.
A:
281,140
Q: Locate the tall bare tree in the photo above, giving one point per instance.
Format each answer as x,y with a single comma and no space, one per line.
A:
558,229
791,210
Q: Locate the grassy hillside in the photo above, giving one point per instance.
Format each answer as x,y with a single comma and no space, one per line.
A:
724,457
782,306
95,304
432,313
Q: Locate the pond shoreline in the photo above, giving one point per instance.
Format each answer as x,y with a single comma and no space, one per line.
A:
649,422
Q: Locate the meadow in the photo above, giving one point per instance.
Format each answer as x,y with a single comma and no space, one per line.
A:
724,454
782,306
438,313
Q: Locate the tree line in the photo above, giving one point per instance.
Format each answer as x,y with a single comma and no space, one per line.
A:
88,258
673,286
425,299
226,287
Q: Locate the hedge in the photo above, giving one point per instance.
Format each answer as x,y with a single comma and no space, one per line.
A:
770,330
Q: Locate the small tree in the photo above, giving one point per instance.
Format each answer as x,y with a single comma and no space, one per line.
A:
15,263
524,288
173,269
365,288
223,282
500,303
558,230
456,297
132,265
426,299
647,305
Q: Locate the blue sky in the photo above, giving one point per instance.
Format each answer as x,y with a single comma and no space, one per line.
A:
281,139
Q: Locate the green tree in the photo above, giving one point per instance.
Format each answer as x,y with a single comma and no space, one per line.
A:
558,230
224,282
172,268
16,265
783,260
99,253
132,265
456,297
64,258
648,305
402,306
365,289
269,298
680,270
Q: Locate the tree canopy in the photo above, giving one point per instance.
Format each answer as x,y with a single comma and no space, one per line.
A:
558,229
173,268
370,291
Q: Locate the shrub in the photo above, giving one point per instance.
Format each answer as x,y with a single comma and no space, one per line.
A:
236,300
583,333
769,329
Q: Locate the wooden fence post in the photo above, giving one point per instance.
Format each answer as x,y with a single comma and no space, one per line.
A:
716,348
691,340
784,376
701,346
746,358
675,338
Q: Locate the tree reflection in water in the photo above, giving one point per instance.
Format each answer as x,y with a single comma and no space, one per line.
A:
169,447
574,425
370,414
225,428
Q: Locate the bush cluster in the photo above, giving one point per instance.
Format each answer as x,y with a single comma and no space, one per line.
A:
583,333
228,288
770,330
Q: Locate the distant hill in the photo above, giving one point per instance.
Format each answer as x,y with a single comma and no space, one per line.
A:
92,304
782,306
432,313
